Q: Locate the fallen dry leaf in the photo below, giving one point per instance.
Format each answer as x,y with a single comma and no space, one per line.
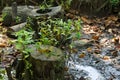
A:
3,40
1,24
117,24
108,22
110,30
114,53
113,18
97,51
85,20
102,28
82,55
115,41
73,11
106,58
3,45
89,49
118,47
73,50
71,16
95,37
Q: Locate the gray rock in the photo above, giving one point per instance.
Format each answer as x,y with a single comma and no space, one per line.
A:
83,43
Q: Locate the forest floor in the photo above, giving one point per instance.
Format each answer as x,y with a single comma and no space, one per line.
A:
98,50
95,56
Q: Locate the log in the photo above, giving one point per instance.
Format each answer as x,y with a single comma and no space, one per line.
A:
54,11
18,27
26,11
47,65
15,28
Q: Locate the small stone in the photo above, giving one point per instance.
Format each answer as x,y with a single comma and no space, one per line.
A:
82,43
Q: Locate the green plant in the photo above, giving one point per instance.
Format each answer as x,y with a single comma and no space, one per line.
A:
114,2
17,19
49,3
57,32
24,38
66,4
1,19
52,32
44,5
4,16
2,74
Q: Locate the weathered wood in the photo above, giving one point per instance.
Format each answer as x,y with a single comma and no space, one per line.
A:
54,11
47,65
26,11
14,10
46,53
18,27
15,28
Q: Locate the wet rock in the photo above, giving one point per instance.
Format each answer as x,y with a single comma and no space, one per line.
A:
91,67
82,78
86,71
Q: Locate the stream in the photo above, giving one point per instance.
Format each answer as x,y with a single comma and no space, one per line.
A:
91,68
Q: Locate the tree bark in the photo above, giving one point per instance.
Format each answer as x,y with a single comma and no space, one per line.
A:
47,66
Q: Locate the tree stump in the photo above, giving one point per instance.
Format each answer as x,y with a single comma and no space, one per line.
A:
47,63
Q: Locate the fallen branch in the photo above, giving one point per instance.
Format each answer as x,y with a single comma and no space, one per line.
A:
18,27
15,28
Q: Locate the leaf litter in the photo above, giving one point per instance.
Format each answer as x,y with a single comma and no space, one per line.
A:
102,55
